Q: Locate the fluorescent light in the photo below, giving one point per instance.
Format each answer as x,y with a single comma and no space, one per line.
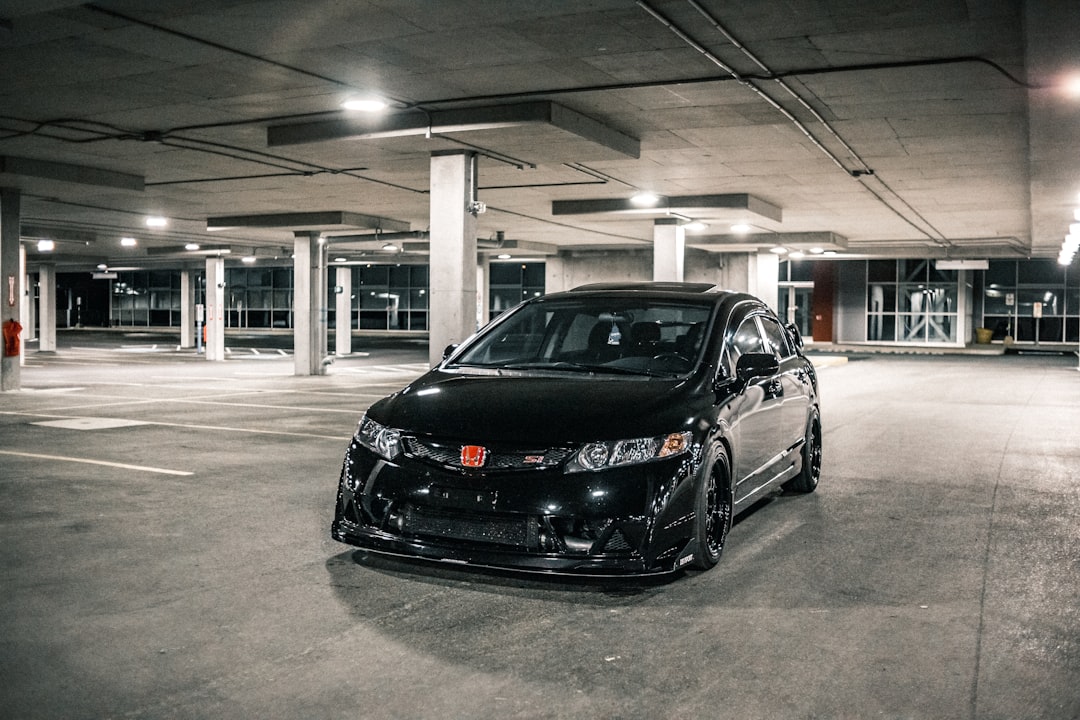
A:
128,241
503,256
46,246
390,247
156,221
341,259
191,246
365,104
778,250
249,259
695,226
645,199
740,228
796,254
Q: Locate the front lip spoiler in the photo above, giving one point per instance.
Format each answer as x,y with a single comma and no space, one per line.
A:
483,559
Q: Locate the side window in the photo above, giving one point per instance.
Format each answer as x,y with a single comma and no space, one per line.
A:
747,339
776,339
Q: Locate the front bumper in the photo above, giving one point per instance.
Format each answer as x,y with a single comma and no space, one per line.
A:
634,520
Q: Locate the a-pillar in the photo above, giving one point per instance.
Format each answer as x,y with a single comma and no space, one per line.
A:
343,311
669,250
11,277
187,308
47,307
215,308
453,251
309,304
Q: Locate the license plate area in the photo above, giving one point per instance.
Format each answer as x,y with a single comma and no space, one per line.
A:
463,498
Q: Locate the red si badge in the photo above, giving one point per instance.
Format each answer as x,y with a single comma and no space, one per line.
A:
473,456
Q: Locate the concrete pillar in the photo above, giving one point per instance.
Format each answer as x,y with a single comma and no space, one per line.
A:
554,274
29,308
669,250
309,304
215,308
11,295
483,290
763,278
187,308
47,307
343,311
453,251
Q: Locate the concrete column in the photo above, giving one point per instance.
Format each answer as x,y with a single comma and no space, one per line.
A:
29,308
11,295
215,308
453,251
47,307
669,250
763,278
309,304
343,312
187,308
483,290
554,274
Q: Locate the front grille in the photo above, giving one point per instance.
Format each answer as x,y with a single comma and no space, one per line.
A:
498,530
449,455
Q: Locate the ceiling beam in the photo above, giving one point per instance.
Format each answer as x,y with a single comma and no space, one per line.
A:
66,172
490,117
307,221
690,204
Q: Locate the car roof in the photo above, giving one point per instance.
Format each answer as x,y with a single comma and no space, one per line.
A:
678,287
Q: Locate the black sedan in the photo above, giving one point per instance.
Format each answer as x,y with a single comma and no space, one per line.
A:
610,429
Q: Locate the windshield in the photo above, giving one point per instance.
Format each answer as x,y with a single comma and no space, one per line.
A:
623,335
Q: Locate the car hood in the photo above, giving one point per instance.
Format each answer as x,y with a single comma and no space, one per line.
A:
537,410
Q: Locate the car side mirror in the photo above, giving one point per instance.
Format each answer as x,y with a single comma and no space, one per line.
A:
755,365
448,350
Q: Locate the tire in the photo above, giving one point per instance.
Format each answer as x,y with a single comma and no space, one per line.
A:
713,512
807,480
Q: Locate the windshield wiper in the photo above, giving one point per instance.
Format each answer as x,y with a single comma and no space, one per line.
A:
582,367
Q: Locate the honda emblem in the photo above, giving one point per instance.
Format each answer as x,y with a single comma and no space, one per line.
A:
473,456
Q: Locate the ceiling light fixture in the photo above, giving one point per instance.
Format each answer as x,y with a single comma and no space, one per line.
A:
364,104
503,256
249,259
191,246
156,221
778,250
390,247
341,259
102,266
128,241
796,254
645,199
46,245
695,226
740,228
816,250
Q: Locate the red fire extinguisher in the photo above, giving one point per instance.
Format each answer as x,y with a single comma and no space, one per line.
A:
12,328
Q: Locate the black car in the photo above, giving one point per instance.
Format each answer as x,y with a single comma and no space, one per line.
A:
608,429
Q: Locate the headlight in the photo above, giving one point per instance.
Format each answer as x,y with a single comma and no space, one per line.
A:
600,455
379,439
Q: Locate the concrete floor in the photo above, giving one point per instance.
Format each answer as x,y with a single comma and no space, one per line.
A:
176,563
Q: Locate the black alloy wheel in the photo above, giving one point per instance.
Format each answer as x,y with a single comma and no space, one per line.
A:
713,512
807,480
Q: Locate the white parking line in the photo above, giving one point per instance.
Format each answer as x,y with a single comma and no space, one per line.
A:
143,468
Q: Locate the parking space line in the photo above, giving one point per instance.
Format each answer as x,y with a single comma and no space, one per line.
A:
190,426
87,461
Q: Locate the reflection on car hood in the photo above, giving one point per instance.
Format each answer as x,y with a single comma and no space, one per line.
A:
543,411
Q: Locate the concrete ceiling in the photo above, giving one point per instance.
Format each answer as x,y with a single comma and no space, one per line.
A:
900,127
